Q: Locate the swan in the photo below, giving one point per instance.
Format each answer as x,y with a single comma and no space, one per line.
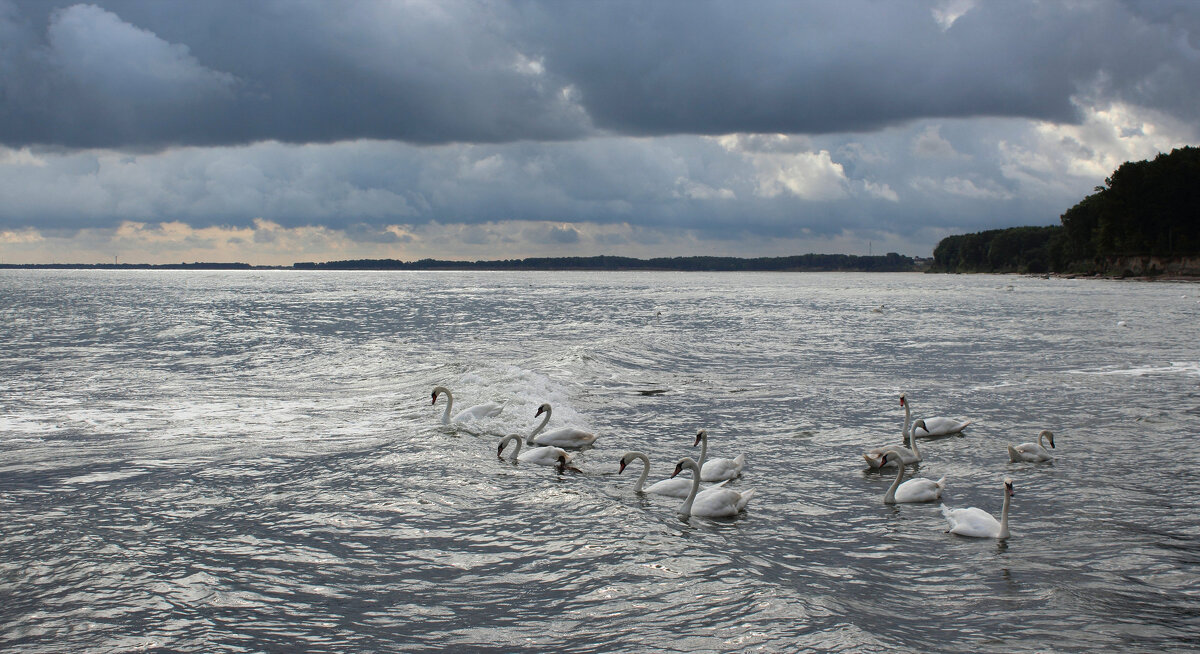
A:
675,487
716,502
488,410
937,425
719,469
917,489
543,456
1033,452
564,437
877,457
978,523
874,456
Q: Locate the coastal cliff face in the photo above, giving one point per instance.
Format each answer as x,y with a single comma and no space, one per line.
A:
1144,265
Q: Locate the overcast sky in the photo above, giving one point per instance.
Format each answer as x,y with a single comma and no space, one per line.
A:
273,131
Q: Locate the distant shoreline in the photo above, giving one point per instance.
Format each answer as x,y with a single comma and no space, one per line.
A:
890,262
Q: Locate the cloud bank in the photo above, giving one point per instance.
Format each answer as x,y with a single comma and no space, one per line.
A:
437,128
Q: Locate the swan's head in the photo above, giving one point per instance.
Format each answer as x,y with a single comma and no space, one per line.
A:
1045,433
700,435
545,408
1008,486
624,462
890,456
438,390
902,399
920,423
685,462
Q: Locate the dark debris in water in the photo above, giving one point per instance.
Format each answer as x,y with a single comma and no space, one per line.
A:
653,391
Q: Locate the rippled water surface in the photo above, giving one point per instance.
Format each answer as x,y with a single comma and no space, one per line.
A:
249,461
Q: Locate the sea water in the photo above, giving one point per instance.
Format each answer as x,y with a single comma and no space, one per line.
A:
251,461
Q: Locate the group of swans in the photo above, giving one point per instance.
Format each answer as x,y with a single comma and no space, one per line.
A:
972,521
716,501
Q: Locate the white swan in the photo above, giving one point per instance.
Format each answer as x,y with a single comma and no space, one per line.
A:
876,458
564,437
917,489
720,469
488,410
675,487
978,523
543,456
937,425
716,502
1033,452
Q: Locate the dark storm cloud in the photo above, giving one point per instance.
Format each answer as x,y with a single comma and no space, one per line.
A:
149,74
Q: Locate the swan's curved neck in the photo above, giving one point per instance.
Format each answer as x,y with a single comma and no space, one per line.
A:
686,508
449,403
912,444
513,438
890,496
637,488
703,450
1041,442
537,430
907,419
1004,515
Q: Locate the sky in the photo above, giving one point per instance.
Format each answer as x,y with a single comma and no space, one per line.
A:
271,132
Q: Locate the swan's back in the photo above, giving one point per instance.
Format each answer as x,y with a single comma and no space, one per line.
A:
720,502
972,521
488,410
1028,453
565,437
543,456
941,426
920,490
722,469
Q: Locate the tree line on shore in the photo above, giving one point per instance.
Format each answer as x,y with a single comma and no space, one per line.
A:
1145,209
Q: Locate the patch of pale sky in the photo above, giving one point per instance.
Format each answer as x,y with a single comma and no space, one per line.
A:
946,12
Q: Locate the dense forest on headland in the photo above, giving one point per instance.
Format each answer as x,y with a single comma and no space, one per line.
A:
1145,220
891,262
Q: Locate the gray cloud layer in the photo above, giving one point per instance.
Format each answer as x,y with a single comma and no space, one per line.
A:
145,74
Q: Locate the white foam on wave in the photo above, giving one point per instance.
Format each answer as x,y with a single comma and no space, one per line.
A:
1187,367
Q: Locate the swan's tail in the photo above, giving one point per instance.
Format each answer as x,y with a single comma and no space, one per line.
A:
941,483
1013,455
946,511
746,495
873,462
740,462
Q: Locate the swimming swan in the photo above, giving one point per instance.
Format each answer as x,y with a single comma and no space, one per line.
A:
937,425
676,487
917,489
564,437
720,469
717,502
543,456
978,523
1033,452
488,410
876,457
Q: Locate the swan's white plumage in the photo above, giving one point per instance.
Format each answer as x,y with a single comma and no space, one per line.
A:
678,487
486,410
941,426
1032,452
716,502
562,437
917,489
977,523
719,469
543,456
